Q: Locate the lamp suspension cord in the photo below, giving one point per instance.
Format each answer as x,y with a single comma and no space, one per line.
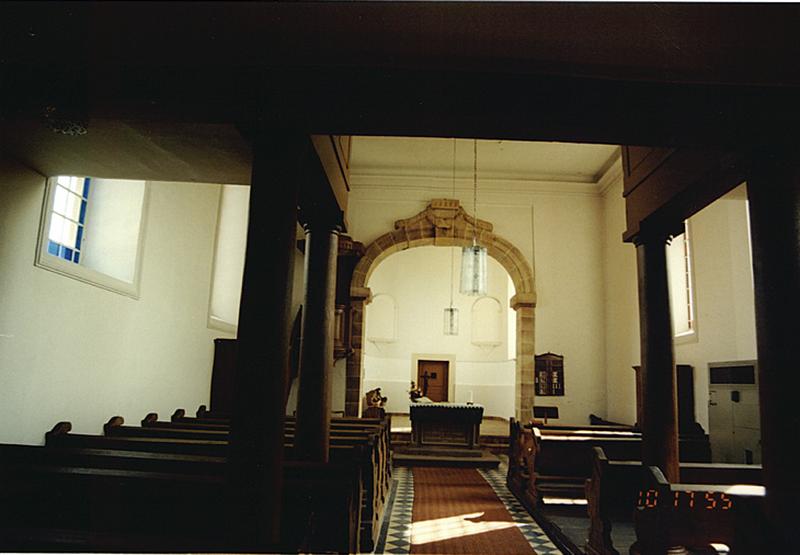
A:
475,192
451,248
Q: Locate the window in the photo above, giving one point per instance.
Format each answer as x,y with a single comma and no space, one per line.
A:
681,286
91,231
68,217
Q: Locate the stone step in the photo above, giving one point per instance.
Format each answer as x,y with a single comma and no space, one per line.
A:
484,459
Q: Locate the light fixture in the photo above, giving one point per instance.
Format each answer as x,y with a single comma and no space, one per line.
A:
451,313
473,258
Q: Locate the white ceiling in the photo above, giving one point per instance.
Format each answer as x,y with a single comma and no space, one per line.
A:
497,159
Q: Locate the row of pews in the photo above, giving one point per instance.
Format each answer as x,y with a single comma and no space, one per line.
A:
163,486
713,504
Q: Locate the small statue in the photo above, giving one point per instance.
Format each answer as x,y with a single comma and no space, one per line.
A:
416,395
374,398
373,405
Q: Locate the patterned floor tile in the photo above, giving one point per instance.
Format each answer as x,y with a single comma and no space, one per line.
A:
395,535
532,532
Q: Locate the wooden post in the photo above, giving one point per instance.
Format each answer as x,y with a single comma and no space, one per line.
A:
659,414
773,189
256,438
316,344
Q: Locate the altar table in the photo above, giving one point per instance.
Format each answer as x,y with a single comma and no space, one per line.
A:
445,424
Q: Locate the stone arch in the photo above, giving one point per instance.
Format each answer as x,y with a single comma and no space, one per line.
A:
445,223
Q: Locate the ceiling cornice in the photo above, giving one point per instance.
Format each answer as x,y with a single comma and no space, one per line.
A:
388,184
612,174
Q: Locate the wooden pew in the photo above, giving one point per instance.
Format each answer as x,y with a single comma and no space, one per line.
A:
586,428
613,490
203,412
340,427
375,472
74,500
696,515
383,425
521,444
560,462
519,449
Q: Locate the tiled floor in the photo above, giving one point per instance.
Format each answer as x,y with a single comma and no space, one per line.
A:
395,536
532,532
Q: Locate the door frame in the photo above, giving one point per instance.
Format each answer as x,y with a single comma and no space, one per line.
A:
451,370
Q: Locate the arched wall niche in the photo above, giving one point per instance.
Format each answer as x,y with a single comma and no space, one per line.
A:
445,223
485,320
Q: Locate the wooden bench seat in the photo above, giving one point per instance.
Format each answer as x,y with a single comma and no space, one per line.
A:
55,499
175,439
342,426
376,431
556,463
614,487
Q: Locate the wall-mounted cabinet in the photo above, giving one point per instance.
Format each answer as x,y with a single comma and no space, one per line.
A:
549,375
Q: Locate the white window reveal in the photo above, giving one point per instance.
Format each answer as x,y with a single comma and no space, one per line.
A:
229,255
681,285
91,230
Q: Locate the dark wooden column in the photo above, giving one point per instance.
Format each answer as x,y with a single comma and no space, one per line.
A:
316,343
659,406
773,188
256,448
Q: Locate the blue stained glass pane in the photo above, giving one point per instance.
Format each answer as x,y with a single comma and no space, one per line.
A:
77,257
83,211
52,248
67,254
79,237
86,187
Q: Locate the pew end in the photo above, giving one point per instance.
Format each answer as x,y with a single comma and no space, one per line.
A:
177,415
113,422
695,516
149,418
60,429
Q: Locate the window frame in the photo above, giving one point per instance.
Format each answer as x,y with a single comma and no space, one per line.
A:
76,270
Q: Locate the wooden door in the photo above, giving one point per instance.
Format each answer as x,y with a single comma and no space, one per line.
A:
433,378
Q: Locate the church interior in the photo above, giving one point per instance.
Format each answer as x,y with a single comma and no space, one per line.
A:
235,309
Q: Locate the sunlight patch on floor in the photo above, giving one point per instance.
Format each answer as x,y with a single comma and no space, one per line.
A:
427,531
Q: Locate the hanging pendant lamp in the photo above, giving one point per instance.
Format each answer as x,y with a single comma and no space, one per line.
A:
451,313
473,258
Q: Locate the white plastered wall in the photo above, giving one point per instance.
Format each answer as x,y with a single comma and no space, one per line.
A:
482,371
621,308
564,224
724,307
73,351
724,292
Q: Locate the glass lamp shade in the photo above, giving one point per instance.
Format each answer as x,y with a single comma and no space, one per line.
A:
451,321
473,270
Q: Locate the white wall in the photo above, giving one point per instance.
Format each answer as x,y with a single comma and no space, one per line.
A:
72,351
229,254
420,297
566,229
621,309
725,306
